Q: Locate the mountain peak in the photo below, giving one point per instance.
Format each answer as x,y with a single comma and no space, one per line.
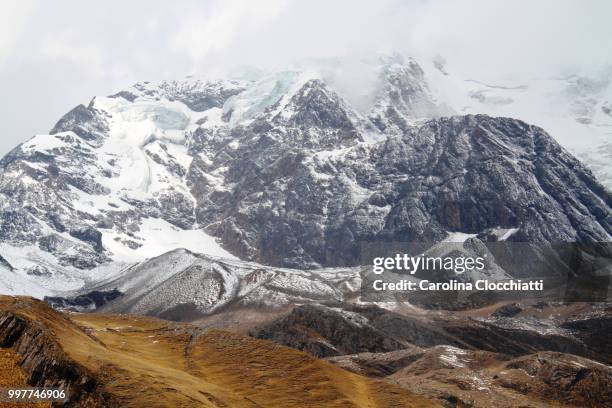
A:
281,169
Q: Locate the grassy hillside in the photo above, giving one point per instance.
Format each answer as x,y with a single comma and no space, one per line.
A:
134,361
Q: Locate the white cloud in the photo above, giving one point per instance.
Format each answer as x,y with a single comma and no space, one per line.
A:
201,34
520,36
54,55
13,17
85,55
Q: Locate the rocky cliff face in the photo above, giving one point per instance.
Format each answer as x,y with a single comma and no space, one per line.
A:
466,174
281,170
43,359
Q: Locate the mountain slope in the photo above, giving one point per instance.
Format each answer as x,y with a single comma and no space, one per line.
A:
129,361
574,106
484,379
181,285
281,169
12,376
508,355
340,329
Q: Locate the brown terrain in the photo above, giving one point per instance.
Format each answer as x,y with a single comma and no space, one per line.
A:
505,355
12,376
462,378
532,354
134,361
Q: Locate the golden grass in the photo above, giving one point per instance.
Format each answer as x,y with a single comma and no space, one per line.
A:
155,363
11,376
168,365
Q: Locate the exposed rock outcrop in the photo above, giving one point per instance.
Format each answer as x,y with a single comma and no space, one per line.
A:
31,334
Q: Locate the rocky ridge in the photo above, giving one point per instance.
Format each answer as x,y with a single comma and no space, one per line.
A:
476,358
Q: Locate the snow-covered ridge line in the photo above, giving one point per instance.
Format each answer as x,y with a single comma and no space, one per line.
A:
181,278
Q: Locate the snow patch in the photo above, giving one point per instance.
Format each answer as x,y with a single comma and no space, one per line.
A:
157,237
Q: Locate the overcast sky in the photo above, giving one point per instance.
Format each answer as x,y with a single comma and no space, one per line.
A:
57,54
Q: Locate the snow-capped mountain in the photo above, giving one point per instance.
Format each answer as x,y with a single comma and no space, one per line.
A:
574,107
284,168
